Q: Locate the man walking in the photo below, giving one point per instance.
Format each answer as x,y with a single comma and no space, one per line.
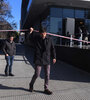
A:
43,49
9,49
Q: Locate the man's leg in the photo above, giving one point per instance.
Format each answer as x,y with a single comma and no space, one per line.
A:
36,74
7,65
47,76
10,67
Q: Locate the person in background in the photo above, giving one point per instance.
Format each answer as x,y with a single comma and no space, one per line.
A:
9,50
44,47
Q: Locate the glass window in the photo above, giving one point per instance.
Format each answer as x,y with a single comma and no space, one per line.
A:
87,21
79,13
56,12
87,14
68,13
55,25
60,26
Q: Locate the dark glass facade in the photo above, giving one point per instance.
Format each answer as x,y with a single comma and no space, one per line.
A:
56,21
55,17
68,13
79,13
58,14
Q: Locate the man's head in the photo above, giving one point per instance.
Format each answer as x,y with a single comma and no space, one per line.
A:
42,32
11,37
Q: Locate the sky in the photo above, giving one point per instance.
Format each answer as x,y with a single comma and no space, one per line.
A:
16,10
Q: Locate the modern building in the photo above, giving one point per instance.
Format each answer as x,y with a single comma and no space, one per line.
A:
59,16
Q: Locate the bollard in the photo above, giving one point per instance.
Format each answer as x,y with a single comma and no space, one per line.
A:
71,43
80,41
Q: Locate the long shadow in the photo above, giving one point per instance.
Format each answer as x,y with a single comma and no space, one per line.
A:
61,70
3,75
12,88
20,49
3,87
29,54
23,50
65,72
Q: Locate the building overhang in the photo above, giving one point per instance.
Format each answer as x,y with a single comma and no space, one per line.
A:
39,6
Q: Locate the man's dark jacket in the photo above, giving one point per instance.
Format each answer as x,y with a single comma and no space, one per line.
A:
44,48
9,48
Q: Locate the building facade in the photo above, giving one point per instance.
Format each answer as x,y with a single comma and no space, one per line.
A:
59,16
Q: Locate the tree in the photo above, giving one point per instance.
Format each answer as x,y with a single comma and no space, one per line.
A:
6,18
5,13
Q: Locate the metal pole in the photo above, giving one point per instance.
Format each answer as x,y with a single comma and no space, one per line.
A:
80,41
71,41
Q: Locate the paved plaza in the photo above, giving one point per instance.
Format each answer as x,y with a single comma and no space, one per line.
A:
66,81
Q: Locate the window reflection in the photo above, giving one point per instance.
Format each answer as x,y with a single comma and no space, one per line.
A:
88,24
88,14
68,13
56,12
79,14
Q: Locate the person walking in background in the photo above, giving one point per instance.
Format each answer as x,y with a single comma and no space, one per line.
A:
44,47
9,50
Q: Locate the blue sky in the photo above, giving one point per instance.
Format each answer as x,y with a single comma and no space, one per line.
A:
16,10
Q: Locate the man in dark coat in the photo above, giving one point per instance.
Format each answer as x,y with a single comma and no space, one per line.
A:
9,49
44,48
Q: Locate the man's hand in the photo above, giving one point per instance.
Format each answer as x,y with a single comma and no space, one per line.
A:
31,30
6,54
54,61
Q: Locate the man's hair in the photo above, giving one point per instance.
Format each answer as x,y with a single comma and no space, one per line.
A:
42,29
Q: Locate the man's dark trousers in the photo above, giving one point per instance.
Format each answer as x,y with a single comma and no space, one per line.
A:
37,74
9,61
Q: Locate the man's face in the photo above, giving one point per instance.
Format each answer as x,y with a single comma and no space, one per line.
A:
43,35
11,38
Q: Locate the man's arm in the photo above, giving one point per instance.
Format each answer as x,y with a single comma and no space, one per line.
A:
4,49
32,36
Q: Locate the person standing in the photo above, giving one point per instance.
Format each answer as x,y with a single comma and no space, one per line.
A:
9,49
44,47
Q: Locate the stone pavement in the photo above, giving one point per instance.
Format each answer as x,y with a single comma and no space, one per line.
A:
66,81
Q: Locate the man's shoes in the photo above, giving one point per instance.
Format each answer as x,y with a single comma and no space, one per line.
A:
6,74
30,88
10,74
47,91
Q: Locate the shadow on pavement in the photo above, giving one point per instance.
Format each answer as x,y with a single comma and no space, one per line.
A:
12,88
2,75
29,54
3,87
61,70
